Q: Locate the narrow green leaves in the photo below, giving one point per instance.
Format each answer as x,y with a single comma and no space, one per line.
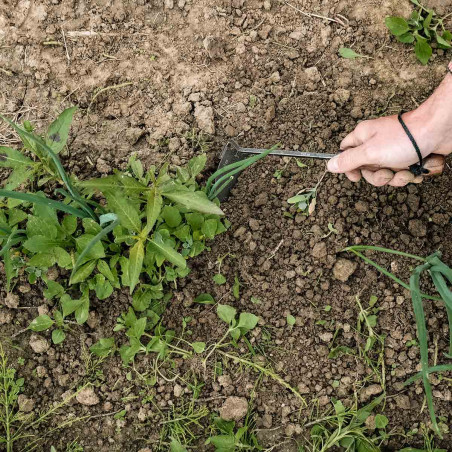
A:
196,201
153,209
136,264
157,245
125,209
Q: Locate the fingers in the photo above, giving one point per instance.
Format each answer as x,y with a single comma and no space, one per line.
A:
350,141
350,160
401,178
378,178
354,176
435,164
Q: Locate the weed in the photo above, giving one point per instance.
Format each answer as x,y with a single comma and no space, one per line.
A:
306,199
441,276
350,54
421,29
140,238
346,428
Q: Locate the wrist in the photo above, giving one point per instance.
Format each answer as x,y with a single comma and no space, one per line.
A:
431,121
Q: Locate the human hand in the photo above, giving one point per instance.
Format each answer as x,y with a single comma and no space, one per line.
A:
381,152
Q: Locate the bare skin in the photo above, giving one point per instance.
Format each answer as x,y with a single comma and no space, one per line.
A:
380,151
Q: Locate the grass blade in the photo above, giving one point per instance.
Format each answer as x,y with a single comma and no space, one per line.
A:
30,197
431,370
57,164
423,339
383,250
446,295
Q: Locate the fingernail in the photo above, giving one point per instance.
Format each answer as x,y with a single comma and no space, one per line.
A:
333,165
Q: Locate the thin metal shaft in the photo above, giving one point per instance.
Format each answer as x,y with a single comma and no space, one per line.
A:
282,152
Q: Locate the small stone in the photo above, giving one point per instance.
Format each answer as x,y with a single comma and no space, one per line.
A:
230,131
356,113
107,406
313,74
362,206
87,397
403,401
26,405
343,269
267,421
38,344
12,301
174,144
267,5
234,408
319,250
370,391
178,390
240,231
274,78
302,388
225,381
41,371
264,32
296,35
169,4
270,113
261,199
102,166
5,317
205,119
417,228
326,337
341,96
254,224
214,47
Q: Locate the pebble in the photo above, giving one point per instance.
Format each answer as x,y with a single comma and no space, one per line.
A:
261,200
417,228
26,405
319,250
343,269
370,391
205,119
87,397
234,408
178,390
38,344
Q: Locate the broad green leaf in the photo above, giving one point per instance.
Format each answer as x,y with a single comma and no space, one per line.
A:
153,209
176,446
136,166
41,323
101,184
172,216
209,228
219,279
198,347
103,347
125,209
204,298
137,329
196,201
397,25
103,288
381,421
157,245
95,252
69,305
423,51
58,336
103,267
236,288
40,244
54,289
223,443
197,164
42,260
135,264
39,226
69,224
290,320
141,300
10,158
226,313
247,321
345,52
440,40
195,220
82,312
83,273
91,227
57,134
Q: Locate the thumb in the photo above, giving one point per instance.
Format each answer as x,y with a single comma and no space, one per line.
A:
349,160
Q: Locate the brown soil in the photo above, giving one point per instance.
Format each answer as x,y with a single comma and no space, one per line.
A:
268,74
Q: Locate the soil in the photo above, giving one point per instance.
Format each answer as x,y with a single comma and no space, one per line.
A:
260,72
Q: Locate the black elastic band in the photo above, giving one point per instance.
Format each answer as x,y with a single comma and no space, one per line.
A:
417,168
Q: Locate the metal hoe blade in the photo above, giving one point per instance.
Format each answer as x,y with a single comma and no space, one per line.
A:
232,153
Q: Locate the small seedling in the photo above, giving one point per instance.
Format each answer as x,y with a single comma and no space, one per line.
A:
423,28
204,298
306,199
350,54
290,320
236,288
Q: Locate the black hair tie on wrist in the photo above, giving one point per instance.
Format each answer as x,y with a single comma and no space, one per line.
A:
417,168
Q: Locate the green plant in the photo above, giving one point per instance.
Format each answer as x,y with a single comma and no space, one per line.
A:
131,229
441,276
350,54
346,428
306,199
421,29
226,437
